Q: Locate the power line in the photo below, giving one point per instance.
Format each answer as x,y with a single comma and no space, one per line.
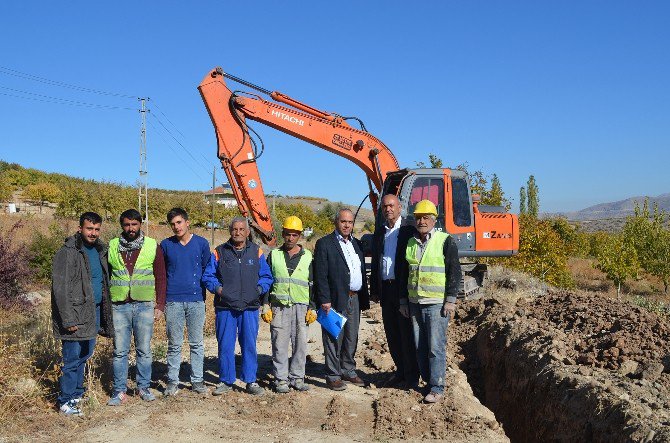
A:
13,72
177,129
169,145
62,101
175,139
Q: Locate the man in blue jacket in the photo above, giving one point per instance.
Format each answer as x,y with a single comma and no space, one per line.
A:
238,276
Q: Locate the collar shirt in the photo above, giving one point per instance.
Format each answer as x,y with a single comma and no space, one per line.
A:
353,262
422,245
390,246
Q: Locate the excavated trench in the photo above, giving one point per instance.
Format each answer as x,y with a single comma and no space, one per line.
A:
567,367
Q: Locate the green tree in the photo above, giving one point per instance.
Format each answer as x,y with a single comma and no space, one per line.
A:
496,196
73,200
433,160
42,192
533,197
541,252
617,258
522,201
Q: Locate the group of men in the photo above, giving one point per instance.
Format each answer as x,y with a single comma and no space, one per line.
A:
121,289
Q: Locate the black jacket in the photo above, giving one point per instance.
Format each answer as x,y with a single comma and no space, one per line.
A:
404,234
331,274
72,297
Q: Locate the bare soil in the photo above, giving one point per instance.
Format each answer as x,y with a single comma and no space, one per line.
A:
568,367
525,363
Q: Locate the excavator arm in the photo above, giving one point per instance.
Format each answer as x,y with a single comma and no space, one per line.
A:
238,152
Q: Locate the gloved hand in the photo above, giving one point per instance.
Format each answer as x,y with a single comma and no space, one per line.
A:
266,314
310,316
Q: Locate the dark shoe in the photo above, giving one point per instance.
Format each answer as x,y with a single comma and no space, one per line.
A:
394,380
356,381
199,387
254,389
221,389
336,385
281,387
171,390
300,385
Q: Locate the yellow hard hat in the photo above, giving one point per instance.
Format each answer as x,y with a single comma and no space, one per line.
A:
292,222
425,207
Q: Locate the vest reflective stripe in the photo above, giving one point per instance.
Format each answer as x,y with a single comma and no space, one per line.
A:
141,285
288,289
427,279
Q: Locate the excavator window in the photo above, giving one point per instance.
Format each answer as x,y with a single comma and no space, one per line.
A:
461,201
428,188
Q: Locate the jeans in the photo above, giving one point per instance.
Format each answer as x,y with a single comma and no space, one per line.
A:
191,314
136,317
229,325
430,338
75,354
288,327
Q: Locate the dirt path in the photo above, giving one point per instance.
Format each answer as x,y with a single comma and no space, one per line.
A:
358,414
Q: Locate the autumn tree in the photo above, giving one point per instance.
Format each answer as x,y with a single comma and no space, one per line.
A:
617,258
42,192
496,196
5,190
522,201
542,253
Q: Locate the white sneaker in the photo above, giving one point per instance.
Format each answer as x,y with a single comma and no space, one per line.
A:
71,409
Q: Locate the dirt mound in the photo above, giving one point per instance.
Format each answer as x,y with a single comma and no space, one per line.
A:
402,415
568,367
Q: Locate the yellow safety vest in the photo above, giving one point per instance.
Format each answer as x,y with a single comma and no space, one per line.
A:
427,278
141,285
290,289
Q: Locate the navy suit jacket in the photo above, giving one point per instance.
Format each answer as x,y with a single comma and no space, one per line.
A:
331,274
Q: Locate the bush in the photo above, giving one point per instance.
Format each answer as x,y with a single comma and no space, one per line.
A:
14,271
42,251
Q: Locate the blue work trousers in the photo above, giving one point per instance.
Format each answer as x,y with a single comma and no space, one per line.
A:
234,325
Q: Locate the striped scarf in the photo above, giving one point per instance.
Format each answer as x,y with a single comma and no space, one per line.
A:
127,246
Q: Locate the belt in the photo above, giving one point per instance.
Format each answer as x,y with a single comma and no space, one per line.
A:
390,280
353,293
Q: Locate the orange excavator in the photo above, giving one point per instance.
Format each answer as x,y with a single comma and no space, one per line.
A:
479,230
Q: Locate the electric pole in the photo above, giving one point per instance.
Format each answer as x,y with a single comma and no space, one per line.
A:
213,202
142,191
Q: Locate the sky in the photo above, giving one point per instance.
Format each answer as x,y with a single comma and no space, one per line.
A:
574,92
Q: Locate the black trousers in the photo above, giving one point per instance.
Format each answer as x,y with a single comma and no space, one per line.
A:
399,335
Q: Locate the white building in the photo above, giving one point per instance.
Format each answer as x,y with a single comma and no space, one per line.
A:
222,195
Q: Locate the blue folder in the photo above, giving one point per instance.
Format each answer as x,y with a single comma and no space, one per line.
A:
333,322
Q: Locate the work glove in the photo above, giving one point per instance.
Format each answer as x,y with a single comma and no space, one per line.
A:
310,316
266,314
448,310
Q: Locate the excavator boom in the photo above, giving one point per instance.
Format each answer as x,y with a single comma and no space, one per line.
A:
229,112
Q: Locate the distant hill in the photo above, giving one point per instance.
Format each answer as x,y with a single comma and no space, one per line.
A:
618,209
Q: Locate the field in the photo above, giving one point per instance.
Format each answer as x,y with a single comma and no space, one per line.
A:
527,362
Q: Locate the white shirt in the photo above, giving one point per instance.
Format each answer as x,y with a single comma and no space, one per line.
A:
390,246
353,261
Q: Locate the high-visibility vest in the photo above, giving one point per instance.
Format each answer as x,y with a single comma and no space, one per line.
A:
427,278
141,285
290,289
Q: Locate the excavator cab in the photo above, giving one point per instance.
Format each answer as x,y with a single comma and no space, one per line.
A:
448,189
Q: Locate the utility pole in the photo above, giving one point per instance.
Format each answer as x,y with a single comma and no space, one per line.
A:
213,202
142,191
